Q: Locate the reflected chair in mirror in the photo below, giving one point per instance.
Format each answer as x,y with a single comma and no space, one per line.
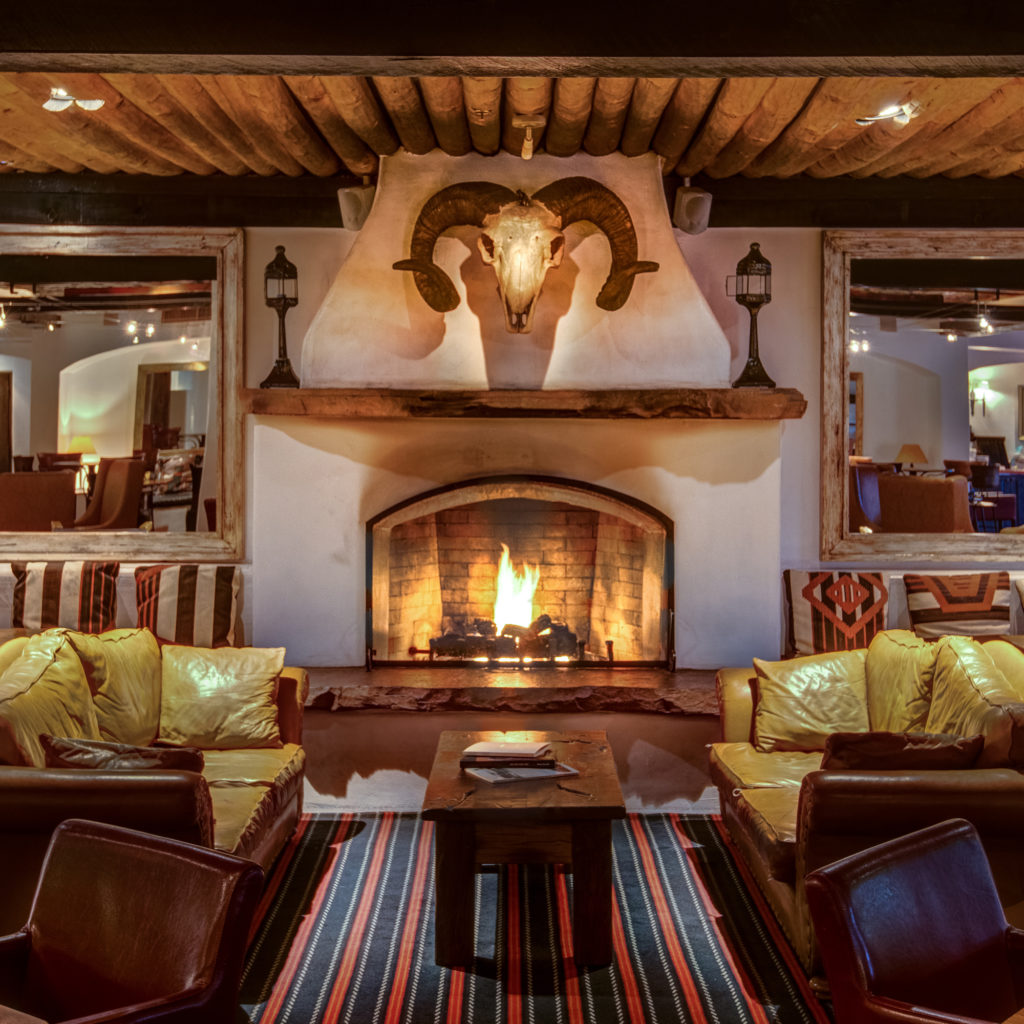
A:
35,501
117,496
865,510
127,926
960,467
913,930
924,504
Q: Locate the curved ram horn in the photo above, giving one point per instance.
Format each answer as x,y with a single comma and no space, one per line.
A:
578,198
469,202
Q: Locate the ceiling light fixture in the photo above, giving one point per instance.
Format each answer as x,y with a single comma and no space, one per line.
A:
61,99
899,114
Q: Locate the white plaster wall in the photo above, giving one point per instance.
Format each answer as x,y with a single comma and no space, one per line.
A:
999,415
97,394
20,370
375,329
316,483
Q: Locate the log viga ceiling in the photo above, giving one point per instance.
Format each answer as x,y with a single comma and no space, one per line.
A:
296,125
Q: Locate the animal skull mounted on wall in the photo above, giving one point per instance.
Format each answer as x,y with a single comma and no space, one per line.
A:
522,237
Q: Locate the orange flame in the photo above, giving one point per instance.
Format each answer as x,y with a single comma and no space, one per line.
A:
513,604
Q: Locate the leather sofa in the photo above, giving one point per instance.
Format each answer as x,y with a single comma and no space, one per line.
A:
788,815
86,720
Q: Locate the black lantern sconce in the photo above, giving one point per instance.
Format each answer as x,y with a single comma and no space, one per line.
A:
281,289
752,287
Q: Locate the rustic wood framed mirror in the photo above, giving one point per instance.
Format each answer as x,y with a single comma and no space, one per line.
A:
929,290
111,302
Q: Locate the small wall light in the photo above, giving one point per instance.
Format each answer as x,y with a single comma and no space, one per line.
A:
281,289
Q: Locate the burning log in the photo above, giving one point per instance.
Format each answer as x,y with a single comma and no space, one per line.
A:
543,639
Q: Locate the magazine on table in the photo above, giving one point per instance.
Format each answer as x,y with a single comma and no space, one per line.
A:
508,748
497,776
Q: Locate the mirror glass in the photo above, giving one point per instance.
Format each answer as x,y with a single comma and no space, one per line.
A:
923,366
116,344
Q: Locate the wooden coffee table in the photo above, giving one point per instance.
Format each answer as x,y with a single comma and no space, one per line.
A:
546,821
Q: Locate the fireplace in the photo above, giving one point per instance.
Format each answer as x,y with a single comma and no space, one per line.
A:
597,564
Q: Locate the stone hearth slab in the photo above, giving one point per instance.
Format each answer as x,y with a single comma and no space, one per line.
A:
686,691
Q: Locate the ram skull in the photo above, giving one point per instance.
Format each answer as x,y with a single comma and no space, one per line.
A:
522,237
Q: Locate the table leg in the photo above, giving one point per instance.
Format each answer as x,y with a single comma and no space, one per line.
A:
592,892
454,869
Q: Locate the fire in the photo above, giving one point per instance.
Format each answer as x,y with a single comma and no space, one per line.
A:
513,604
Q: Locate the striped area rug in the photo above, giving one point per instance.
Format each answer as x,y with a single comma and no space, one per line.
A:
346,934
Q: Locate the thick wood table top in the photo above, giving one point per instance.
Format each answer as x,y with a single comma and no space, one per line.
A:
452,795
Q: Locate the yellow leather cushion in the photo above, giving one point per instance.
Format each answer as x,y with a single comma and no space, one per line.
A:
1008,658
10,651
43,690
220,698
968,690
801,701
899,670
123,669
740,766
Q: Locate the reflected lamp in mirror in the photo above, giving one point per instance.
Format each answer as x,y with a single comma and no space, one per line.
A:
752,289
908,455
281,291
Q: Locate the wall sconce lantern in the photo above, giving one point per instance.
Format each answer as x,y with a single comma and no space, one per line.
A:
281,290
752,288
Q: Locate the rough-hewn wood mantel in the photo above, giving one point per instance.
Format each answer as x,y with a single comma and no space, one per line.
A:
661,403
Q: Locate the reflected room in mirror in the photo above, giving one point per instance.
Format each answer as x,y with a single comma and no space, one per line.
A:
110,387
923,353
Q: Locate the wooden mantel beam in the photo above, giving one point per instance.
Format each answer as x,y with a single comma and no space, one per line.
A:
529,37
695,403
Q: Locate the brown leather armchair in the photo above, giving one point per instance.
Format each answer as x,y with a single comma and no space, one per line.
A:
912,930
116,497
132,927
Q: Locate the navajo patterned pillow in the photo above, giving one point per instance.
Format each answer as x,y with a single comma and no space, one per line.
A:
963,604
189,604
78,595
834,611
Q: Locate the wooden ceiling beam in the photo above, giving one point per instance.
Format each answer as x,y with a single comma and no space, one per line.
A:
781,103
78,132
650,98
942,103
192,94
999,116
14,160
483,112
834,102
234,100
354,153
21,131
446,109
148,93
119,115
608,116
682,117
570,111
529,98
268,112
736,101
401,99
363,113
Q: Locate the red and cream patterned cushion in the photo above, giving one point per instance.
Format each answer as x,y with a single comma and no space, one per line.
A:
834,611
962,604
79,595
190,604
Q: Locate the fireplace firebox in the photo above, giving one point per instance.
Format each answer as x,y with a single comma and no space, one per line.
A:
520,571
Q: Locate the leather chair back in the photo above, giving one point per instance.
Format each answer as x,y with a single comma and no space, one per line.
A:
924,504
117,496
122,917
916,919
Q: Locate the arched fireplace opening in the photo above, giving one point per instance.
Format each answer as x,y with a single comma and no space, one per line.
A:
592,567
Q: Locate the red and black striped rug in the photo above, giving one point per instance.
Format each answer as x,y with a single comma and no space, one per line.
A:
346,934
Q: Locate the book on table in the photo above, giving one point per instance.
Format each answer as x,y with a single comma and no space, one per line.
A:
507,754
498,775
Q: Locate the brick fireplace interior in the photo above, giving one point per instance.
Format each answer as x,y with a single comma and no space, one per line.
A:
602,561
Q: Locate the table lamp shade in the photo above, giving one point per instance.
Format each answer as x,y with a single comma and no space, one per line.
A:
910,454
